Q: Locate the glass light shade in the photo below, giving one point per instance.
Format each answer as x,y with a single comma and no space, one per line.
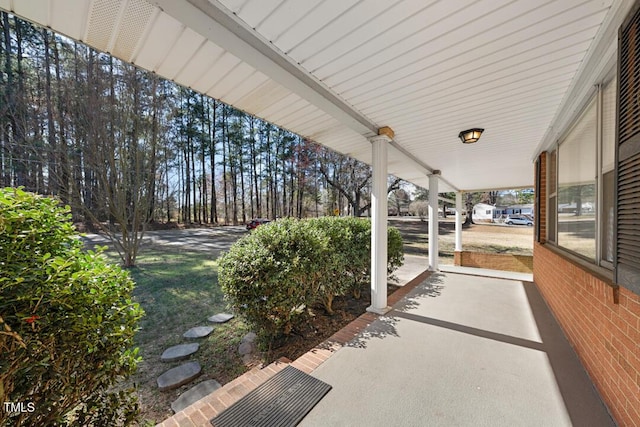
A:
470,136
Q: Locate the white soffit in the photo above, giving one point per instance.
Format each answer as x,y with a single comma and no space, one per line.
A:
336,70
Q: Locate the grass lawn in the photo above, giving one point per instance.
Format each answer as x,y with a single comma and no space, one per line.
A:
178,290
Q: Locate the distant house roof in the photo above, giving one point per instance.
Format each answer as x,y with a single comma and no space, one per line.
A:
525,206
483,206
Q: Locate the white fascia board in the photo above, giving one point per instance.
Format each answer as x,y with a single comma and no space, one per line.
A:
216,23
601,58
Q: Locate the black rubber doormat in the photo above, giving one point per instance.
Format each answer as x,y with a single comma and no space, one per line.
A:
283,400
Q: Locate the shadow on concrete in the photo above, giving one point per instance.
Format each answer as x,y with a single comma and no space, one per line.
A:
508,339
386,325
581,400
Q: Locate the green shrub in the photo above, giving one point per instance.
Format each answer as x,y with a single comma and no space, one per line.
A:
272,276
66,321
395,252
333,266
267,276
359,269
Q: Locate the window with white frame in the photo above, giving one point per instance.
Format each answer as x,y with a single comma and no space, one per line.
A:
608,173
553,195
581,182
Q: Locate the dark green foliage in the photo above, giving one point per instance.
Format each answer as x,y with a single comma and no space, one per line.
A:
272,276
66,320
268,275
334,265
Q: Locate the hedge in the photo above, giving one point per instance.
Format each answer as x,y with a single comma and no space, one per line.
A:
66,321
274,275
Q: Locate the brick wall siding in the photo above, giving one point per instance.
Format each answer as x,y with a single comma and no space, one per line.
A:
504,262
601,323
541,197
605,335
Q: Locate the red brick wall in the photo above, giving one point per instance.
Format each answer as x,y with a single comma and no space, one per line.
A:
541,197
505,262
605,333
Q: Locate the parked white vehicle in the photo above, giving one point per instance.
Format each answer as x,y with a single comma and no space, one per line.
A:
518,220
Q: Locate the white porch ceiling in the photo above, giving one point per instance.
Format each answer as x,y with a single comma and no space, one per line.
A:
336,70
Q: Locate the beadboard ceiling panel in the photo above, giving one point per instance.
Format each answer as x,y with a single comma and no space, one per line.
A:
335,71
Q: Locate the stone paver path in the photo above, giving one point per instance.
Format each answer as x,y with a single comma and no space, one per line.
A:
198,332
194,394
247,347
179,375
187,372
179,352
221,318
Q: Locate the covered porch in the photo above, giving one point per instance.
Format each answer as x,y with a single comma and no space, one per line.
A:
462,346
460,350
393,84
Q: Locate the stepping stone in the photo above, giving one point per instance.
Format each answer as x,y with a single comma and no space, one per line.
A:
221,318
198,332
194,394
246,348
179,352
250,337
178,376
247,345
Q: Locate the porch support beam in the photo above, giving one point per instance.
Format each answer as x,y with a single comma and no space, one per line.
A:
458,235
433,220
379,145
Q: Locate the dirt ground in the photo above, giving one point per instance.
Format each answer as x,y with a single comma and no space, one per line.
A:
493,238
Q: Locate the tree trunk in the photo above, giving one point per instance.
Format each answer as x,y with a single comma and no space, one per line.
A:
23,151
204,194
212,161
254,168
242,190
10,126
51,131
62,154
225,135
151,191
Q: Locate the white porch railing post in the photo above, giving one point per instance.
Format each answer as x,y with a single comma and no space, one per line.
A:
379,226
433,221
458,222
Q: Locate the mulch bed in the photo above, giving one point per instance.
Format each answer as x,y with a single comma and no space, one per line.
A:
321,326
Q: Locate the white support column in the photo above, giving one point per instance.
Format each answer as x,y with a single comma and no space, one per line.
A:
379,226
433,221
458,222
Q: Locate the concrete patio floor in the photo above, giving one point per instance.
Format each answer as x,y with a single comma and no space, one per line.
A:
463,350
460,347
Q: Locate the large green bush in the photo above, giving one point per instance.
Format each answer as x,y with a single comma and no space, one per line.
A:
268,275
334,263
66,321
272,276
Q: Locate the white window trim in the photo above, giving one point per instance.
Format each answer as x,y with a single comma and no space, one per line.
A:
598,95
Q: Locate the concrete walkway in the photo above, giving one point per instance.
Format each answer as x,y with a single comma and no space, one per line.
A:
460,350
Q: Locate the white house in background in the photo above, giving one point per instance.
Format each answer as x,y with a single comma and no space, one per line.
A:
483,212
526,209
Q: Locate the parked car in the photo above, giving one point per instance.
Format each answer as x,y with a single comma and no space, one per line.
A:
254,223
518,220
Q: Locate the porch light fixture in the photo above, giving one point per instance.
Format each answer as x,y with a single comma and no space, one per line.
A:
470,136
